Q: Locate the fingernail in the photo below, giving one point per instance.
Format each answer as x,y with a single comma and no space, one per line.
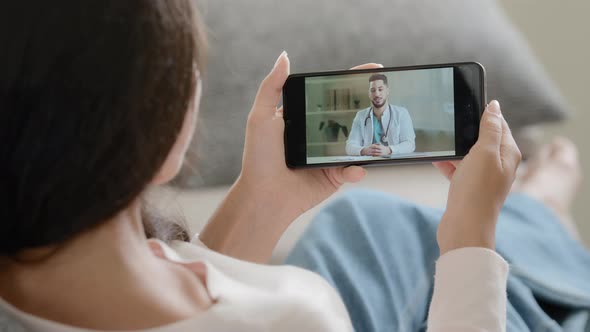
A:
284,53
494,108
380,65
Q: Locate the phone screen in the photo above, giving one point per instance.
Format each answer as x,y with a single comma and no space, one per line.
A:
385,115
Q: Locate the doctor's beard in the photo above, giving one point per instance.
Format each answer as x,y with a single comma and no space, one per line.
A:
379,105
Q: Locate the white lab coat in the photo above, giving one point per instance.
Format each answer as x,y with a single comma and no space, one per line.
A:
401,136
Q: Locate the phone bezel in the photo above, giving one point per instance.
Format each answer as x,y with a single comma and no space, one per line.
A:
470,100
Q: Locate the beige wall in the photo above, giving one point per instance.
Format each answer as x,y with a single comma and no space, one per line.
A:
559,33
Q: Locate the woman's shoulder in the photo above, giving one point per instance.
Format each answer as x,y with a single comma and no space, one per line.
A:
262,274
281,290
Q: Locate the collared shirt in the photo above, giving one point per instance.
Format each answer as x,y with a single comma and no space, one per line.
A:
400,136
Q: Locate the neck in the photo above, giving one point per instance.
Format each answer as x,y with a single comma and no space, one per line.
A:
120,237
378,111
94,279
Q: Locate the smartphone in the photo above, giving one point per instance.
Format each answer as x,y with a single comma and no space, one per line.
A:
382,116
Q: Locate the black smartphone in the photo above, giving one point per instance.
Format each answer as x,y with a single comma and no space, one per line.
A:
383,116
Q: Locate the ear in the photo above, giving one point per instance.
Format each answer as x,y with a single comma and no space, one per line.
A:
173,162
156,249
197,267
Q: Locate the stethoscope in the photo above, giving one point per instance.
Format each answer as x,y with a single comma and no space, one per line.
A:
383,136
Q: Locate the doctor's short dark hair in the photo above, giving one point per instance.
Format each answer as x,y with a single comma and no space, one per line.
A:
93,95
378,77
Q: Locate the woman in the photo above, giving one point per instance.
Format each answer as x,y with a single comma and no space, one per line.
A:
98,103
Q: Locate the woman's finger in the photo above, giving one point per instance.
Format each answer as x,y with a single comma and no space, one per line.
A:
370,65
447,168
342,175
509,151
279,112
269,93
353,174
490,128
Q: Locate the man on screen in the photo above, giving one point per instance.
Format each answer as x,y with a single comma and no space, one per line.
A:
381,129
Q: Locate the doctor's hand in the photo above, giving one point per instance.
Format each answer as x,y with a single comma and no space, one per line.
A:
376,150
479,185
268,196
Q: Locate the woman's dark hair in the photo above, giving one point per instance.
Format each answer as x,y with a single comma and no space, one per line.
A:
93,95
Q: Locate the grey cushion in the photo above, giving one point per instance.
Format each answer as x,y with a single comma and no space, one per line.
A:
247,36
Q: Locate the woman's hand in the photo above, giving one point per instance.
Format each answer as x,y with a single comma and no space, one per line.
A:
268,195
479,185
264,171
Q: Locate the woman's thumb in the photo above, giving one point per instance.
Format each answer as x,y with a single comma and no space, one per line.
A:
269,93
353,174
490,128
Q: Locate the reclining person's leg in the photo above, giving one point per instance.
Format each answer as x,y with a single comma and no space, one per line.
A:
379,252
550,267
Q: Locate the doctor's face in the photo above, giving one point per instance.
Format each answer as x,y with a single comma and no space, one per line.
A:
378,93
